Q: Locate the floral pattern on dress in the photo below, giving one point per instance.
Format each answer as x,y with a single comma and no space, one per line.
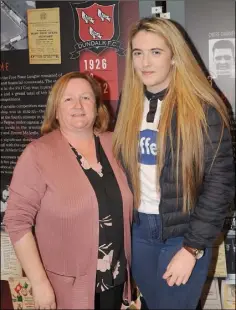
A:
104,264
106,252
116,270
107,221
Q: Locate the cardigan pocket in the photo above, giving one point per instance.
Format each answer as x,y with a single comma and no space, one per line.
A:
63,277
63,286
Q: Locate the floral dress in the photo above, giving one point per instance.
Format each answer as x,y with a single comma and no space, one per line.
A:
111,263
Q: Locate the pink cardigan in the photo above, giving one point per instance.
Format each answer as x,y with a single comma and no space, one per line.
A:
49,189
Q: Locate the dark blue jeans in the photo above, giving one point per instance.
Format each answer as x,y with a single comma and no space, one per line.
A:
150,257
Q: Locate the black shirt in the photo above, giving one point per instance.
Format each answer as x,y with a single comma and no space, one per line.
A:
111,266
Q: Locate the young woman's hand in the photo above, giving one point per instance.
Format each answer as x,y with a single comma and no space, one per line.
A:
180,268
44,297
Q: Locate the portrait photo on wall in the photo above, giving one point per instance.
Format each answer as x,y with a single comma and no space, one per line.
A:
222,67
222,58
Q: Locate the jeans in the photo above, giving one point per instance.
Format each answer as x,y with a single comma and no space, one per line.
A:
150,258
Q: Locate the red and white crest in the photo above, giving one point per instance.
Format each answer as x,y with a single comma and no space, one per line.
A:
96,22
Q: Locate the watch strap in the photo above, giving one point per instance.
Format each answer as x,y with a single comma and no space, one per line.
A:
192,251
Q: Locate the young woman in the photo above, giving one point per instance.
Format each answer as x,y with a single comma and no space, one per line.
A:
172,136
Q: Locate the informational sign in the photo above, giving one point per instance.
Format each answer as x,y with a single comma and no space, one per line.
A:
40,42
217,267
228,295
211,295
21,293
104,68
44,36
10,266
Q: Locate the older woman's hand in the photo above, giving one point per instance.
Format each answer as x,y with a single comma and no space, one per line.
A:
43,294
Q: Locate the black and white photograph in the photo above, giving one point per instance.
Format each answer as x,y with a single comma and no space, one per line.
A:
222,58
230,249
4,198
14,24
222,67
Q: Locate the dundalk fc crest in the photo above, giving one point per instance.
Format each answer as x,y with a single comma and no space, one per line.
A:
96,27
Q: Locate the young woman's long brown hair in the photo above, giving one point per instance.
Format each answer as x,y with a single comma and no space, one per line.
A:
188,94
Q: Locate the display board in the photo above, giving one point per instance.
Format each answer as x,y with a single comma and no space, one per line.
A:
41,41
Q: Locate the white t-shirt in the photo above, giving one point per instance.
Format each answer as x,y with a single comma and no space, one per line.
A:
150,198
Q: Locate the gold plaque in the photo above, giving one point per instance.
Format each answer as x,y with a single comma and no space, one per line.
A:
44,36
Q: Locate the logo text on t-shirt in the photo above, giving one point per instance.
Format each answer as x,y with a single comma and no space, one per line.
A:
147,147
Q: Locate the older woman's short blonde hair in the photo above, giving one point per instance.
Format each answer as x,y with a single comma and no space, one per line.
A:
50,121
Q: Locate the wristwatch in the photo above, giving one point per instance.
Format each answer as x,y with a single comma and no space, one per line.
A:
197,253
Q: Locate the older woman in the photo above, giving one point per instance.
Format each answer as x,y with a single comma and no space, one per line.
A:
68,184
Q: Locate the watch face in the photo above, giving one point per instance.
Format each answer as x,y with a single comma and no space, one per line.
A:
199,254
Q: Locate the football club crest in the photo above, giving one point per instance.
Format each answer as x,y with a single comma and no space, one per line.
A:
96,22
96,27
